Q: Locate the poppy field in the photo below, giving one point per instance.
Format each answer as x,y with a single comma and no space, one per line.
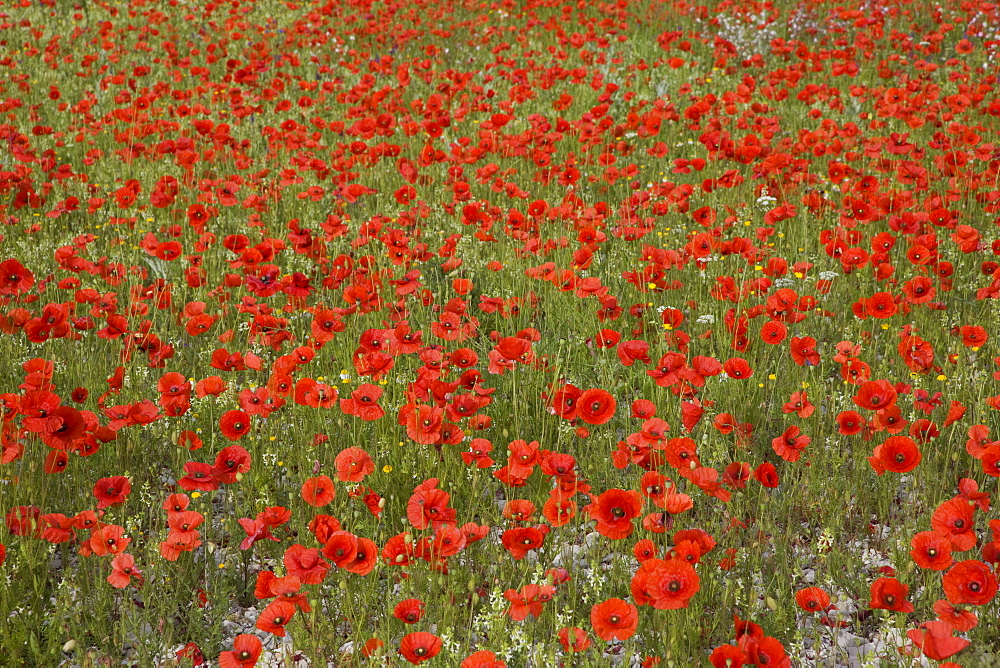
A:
499,333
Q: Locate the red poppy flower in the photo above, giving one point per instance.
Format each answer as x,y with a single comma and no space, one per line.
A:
773,332
957,618
306,564
409,611
596,406
614,619
419,647
767,651
614,511
849,422
123,570
727,656
737,367
231,463
353,464
363,402
423,423
573,639
890,594
898,454
428,506
519,541
482,659
803,351
528,601
969,582
632,351
931,549
565,400
108,539
789,445
234,424
318,491
881,305
812,599
875,395
245,653
934,639
666,584
341,548
62,427
189,439
112,491
953,518
973,336
365,558
14,278
766,475
558,511
200,477
275,616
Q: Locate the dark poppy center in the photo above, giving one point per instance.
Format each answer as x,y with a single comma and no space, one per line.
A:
615,619
420,651
618,512
674,586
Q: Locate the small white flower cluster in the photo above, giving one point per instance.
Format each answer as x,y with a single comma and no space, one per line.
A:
765,201
828,275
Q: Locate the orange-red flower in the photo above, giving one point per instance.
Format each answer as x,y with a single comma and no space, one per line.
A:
409,611
665,584
234,424
419,647
573,639
595,406
953,518
898,454
932,550
890,594
245,653
318,491
875,395
275,617
614,511
614,619
112,491
812,599
969,582
934,639
789,445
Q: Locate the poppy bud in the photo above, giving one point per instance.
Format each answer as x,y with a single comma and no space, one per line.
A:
771,604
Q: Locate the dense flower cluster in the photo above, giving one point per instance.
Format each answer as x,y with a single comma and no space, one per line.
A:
625,314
